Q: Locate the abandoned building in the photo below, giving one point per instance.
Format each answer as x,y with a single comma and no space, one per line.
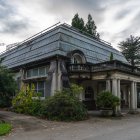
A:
62,54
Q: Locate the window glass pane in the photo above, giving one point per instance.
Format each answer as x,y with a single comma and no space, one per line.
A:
41,87
42,71
28,73
41,92
35,86
34,72
47,69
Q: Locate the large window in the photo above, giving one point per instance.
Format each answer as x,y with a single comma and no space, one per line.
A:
37,72
39,87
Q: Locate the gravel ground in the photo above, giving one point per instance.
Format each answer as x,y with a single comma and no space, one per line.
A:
95,128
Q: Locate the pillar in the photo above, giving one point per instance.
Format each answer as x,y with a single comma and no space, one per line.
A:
59,75
108,87
22,77
132,98
53,84
116,92
135,86
52,77
119,95
114,87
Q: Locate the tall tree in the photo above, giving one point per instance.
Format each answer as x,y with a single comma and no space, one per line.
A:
131,50
7,86
91,27
78,22
88,29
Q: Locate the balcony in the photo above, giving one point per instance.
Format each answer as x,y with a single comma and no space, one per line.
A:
105,66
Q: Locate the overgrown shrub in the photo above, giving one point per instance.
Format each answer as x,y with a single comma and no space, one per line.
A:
106,100
7,86
27,101
64,107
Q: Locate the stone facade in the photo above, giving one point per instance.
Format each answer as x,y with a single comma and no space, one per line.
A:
63,55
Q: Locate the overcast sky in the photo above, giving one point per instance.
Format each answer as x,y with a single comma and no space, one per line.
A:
115,19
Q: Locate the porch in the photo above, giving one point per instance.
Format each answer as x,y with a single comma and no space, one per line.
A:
119,78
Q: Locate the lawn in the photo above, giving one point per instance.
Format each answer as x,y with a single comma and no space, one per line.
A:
5,128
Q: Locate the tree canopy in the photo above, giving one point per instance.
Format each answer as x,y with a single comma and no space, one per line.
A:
78,22
131,50
7,86
89,28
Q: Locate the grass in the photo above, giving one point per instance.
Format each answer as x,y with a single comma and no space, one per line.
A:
5,128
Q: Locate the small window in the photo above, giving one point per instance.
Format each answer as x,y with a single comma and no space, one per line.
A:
35,72
41,88
29,73
42,71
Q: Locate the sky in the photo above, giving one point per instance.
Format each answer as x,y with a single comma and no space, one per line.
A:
116,20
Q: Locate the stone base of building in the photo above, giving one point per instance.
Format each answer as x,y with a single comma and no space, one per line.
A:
133,111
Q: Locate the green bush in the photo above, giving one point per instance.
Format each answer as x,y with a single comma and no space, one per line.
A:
27,102
7,86
5,102
5,128
106,100
64,107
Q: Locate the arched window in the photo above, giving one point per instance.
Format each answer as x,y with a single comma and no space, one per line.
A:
89,93
78,58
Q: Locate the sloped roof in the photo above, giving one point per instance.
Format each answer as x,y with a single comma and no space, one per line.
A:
60,40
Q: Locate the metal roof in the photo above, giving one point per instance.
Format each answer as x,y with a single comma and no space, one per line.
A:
59,40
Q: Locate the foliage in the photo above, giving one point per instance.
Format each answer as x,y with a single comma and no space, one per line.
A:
78,22
91,27
131,50
75,90
5,128
27,101
106,100
111,56
88,29
7,86
64,107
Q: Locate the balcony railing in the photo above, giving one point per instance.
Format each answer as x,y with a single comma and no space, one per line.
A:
109,65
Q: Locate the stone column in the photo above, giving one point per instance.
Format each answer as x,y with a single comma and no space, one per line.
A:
108,87
119,95
22,73
132,98
53,84
136,95
114,87
51,80
116,92
59,75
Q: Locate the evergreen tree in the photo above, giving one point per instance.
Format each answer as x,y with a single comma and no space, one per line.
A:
7,86
78,22
91,27
131,50
111,56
